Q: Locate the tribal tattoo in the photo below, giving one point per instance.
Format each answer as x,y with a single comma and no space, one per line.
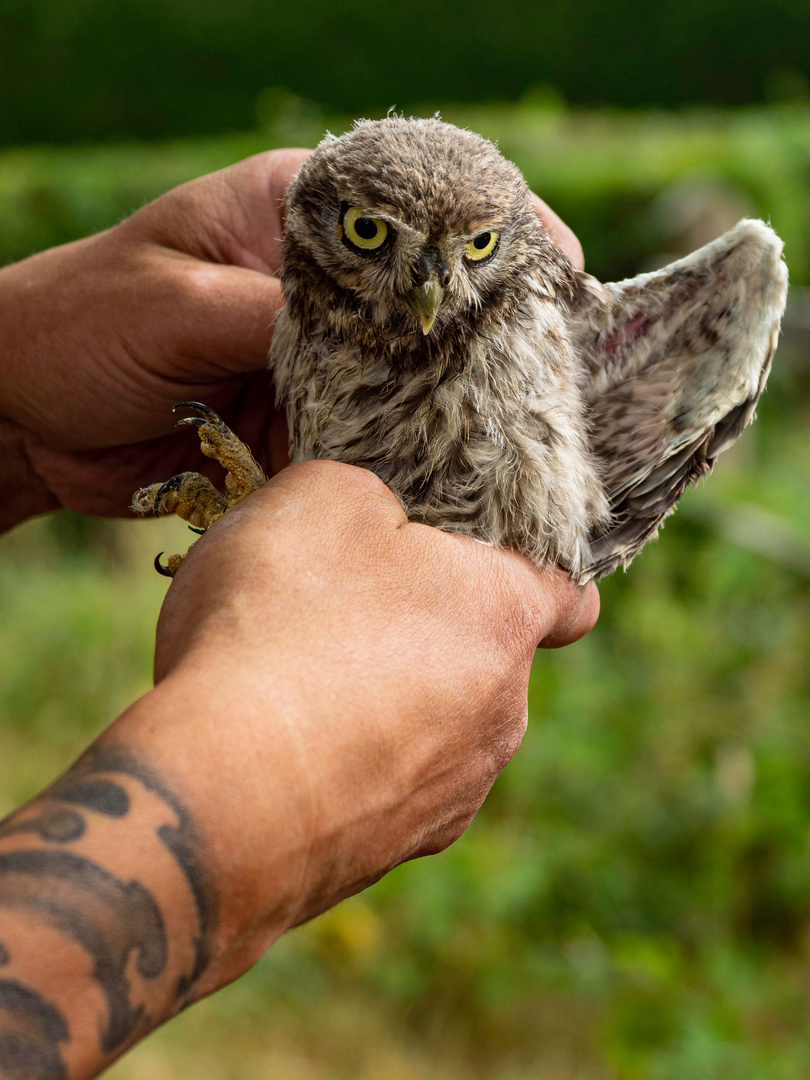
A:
66,889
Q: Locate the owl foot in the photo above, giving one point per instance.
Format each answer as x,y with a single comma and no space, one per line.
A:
192,496
171,567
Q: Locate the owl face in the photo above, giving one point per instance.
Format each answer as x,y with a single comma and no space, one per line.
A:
414,224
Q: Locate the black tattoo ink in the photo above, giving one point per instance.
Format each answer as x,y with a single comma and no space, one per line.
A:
4,956
178,844
182,841
31,1030
108,918
113,920
58,826
100,795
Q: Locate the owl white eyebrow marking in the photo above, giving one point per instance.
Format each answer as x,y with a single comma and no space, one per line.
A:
347,199
403,227
490,227
391,219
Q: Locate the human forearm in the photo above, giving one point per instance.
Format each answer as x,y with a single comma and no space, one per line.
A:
156,871
107,915
23,493
337,690
120,899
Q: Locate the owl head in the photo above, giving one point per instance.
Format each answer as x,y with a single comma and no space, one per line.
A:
411,226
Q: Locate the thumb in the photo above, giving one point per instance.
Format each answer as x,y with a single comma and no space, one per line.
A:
577,612
227,318
233,217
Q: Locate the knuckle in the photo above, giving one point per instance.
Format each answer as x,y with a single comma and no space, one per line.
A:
506,743
522,628
201,282
334,478
347,485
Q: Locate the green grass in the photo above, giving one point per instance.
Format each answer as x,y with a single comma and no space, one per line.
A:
633,903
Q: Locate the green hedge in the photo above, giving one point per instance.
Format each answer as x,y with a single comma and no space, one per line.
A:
603,172
634,900
109,69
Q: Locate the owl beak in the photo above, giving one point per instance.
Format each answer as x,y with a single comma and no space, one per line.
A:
428,299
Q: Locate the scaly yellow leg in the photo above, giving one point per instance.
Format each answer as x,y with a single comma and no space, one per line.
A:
192,496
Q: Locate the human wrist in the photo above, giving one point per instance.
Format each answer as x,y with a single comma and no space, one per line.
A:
23,305
164,881
247,807
306,789
110,913
30,362
25,493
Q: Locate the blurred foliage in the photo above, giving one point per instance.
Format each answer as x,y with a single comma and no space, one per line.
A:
634,899
101,69
633,903
628,183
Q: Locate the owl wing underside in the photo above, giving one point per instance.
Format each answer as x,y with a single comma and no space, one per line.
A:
673,364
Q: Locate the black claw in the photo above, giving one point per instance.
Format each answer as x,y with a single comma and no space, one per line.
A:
208,413
161,569
171,485
200,532
195,421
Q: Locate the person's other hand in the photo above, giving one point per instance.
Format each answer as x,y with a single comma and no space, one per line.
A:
103,336
339,689
100,338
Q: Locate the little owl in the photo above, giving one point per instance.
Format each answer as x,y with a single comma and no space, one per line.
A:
434,334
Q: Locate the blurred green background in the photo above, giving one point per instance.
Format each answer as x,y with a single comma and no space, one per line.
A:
633,903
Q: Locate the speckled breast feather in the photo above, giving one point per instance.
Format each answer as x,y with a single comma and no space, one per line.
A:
540,409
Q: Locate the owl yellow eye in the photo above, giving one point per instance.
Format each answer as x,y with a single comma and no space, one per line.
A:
482,247
362,233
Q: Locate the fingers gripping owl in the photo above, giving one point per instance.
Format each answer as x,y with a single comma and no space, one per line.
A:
434,334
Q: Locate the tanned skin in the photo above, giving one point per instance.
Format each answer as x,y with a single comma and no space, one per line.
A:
336,689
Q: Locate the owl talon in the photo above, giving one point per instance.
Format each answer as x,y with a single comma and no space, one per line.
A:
192,496
173,484
217,441
206,410
172,566
164,571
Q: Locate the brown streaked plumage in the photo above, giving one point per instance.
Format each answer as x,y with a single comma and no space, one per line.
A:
434,334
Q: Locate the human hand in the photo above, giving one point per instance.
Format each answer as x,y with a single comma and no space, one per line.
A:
100,338
340,688
337,691
103,336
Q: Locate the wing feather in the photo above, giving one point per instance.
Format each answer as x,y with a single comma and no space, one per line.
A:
673,364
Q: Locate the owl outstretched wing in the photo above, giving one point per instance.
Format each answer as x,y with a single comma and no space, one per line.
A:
673,364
